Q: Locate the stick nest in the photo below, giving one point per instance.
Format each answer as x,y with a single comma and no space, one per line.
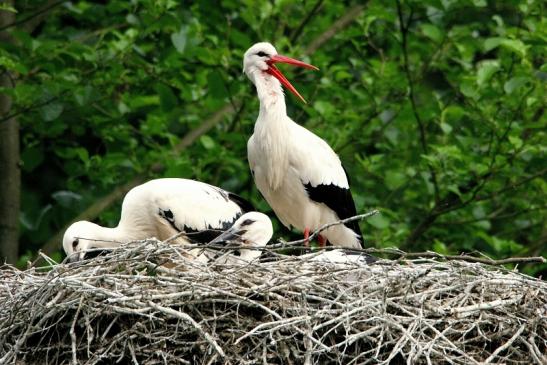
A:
147,303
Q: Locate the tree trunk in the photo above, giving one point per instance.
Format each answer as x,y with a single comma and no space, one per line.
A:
10,174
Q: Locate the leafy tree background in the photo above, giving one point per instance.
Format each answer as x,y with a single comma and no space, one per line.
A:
436,108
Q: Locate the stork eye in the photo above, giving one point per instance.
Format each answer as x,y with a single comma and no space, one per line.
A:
246,222
74,243
261,54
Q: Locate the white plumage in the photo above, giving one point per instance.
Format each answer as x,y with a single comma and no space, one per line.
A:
241,243
341,256
298,173
161,208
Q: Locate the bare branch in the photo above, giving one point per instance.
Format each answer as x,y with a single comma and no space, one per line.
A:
298,30
506,345
411,93
483,260
35,18
353,13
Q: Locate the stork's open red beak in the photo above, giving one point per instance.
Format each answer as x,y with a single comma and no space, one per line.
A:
274,71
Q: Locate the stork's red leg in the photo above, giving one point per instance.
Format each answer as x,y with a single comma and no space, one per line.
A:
322,241
306,237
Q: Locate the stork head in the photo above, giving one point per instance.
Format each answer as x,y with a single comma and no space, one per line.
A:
261,57
80,237
253,229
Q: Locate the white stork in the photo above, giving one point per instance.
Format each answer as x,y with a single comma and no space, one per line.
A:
298,173
161,208
250,233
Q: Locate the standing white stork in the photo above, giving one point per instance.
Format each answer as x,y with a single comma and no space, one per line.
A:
161,208
298,173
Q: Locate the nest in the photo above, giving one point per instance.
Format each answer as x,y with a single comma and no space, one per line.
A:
148,304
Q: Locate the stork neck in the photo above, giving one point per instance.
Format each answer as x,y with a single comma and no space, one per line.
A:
270,94
112,237
272,129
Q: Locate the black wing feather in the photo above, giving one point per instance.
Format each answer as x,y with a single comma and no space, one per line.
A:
194,235
369,259
243,203
339,200
210,233
206,235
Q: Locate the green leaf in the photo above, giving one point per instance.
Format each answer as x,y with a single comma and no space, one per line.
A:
123,108
486,69
7,7
179,39
51,111
478,211
515,83
379,221
440,247
82,95
513,45
491,43
32,157
239,38
207,142
216,85
432,32
168,100
446,128
143,101
394,179
452,114
324,107
392,134
515,141
13,64
469,89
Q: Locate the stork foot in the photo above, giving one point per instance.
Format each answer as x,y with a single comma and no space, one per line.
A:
322,241
306,237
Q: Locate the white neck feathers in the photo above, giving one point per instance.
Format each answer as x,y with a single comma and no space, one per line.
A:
272,128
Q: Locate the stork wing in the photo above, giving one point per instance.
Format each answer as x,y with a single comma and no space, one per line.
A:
244,204
200,210
323,175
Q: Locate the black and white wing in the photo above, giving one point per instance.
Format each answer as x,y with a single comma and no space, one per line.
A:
200,210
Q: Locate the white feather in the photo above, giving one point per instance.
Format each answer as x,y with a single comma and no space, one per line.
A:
339,257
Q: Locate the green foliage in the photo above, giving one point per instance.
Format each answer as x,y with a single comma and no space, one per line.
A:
435,107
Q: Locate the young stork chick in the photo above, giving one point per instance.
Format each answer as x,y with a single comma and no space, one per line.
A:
341,256
297,172
344,263
161,208
250,233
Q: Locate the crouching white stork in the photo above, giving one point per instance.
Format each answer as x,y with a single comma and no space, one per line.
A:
298,173
241,243
161,208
